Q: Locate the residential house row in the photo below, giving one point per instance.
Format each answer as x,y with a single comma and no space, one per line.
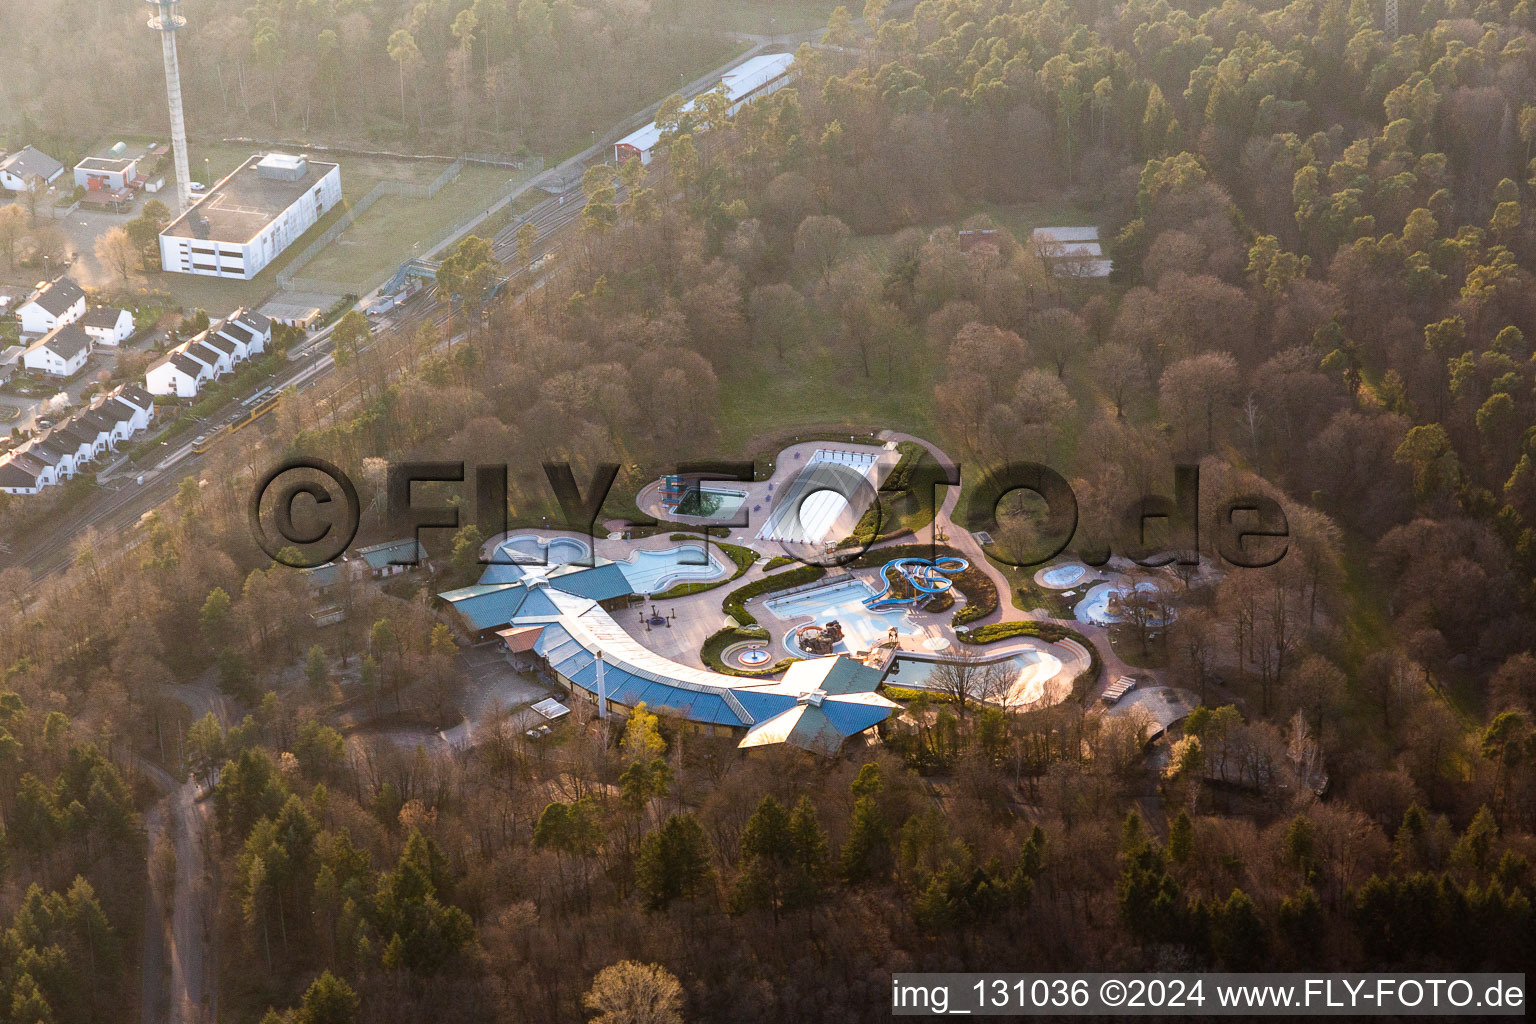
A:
73,445
184,370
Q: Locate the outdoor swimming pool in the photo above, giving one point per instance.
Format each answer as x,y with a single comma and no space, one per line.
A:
1030,670
651,572
711,503
531,549
843,601
1063,576
1094,608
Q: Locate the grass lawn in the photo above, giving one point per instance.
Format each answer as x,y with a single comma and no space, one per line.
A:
1022,218
387,230
220,295
398,227
754,16
757,394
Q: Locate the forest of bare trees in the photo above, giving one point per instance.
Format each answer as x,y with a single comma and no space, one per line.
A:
1319,294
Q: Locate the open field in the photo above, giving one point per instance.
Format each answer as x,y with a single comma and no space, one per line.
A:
398,227
757,395
380,240
754,16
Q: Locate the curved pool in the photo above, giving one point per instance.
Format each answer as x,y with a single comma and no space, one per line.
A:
1094,608
844,600
651,572
1062,576
1028,675
528,549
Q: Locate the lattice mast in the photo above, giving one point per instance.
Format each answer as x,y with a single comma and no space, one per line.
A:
167,22
1392,32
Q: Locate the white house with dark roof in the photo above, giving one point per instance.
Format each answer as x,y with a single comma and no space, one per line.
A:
50,462
68,448
217,360
250,332
60,301
27,163
21,473
125,418
61,352
138,399
106,431
107,325
80,444
56,450
175,374
226,348
88,441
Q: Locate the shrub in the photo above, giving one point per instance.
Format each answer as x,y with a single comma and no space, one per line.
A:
1053,632
906,695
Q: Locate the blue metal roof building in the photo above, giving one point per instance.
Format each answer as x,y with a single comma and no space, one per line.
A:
818,704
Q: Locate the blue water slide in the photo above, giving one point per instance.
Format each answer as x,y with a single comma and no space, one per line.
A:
926,577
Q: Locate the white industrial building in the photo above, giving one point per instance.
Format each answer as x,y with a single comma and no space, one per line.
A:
750,80
106,173
245,220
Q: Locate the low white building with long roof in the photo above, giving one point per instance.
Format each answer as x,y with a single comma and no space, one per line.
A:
750,80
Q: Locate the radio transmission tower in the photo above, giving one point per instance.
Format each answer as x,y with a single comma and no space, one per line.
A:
166,21
1392,32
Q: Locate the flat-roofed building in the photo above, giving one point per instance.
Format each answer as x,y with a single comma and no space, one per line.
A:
106,173
245,220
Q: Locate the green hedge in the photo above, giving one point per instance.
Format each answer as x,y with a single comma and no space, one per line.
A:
1053,632
718,641
906,695
779,562
735,602
895,510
